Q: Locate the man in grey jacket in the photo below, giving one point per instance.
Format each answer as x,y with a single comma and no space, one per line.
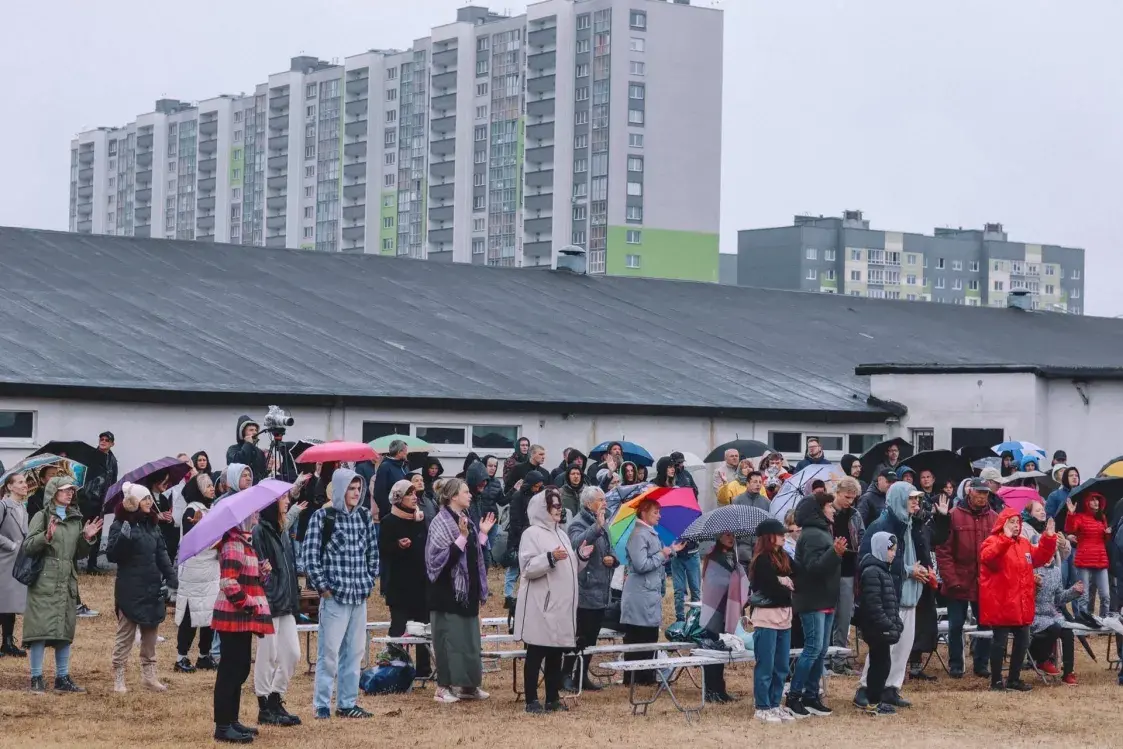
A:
590,526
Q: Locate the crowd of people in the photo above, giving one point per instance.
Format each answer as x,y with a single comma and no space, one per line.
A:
879,557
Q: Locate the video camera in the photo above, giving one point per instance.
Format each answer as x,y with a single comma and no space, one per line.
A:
276,420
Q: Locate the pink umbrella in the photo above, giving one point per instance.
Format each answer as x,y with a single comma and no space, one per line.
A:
338,452
1018,497
228,513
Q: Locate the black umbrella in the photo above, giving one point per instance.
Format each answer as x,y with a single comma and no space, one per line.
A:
875,456
976,452
944,465
87,455
747,449
1110,488
740,520
296,449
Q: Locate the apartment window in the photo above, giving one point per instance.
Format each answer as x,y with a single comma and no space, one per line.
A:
1076,293
479,179
389,180
635,213
599,189
638,44
171,185
310,171
635,140
631,261
235,211
310,131
481,113
830,274
925,262
637,68
583,70
480,157
1075,275
1049,270
481,133
392,115
580,212
577,237
309,232
308,191
998,285
387,222
387,244
637,19
236,174
391,73
581,118
309,152
171,166
939,263
635,188
957,284
390,138
482,43
309,211
855,254
391,94
1049,289
812,274
237,137
636,91
812,253
634,236
910,280
478,246
910,259
581,165
635,164
310,91
580,189
237,116
310,111
481,89
973,266
582,46
391,158
479,203
236,193
583,21
582,93
939,283
581,141
479,224
635,116
481,67
957,265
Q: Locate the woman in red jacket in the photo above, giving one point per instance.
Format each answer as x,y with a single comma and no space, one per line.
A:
1089,530
1006,592
240,613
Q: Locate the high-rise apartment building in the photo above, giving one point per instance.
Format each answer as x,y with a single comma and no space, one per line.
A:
496,140
975,267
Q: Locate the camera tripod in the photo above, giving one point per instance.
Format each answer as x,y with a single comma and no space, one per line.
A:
284,467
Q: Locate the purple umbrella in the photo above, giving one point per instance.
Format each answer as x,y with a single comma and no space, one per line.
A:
228,513
176,469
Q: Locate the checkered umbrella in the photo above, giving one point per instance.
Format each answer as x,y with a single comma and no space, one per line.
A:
740,520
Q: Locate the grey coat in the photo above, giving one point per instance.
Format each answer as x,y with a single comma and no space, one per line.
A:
641,604
13,529
593,583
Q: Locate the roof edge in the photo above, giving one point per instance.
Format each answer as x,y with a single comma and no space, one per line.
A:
1048,373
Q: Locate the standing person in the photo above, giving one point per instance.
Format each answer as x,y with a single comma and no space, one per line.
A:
92,499
852,467
817,569
892,459
245,449
641,602
137,547
198,579
682,476
454,564
546,612
847,524
910,569
1090,528
488,497
430,472
517,523
594,585
201,461
520,455
393,468
727,471
686,567
958,535
725,593
1070,479
814,455
752,496
401,553
536,462
770,578
872,502
341,562
572,486
1006,592
278,653
13,529
59,536
240,614
882,626
35,500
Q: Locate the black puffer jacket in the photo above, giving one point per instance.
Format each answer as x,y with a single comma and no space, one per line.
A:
878,603
272,543
518,520
142,567
817,569
247,453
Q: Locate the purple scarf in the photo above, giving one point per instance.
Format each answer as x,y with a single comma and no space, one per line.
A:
443,532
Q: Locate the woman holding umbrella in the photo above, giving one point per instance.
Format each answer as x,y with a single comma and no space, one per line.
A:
1088,524
725,593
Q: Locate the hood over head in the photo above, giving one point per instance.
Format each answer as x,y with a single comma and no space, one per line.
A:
1002,518
897,500
340,480
243,420
847,463
903,470
808,512
469,460
1027,459
192,492
425,470
233,474
635,468
574,454
474,475
661,469
52,487
536,512
569,475
532,478
195,460
880,543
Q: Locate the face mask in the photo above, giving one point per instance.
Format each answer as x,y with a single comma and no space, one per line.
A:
61,512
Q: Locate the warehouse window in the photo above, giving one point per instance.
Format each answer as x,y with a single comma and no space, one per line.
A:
17,425
372,430
786,442
493,437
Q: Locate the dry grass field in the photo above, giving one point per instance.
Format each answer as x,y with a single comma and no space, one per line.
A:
946,714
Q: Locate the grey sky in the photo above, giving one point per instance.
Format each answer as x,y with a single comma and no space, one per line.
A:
935,112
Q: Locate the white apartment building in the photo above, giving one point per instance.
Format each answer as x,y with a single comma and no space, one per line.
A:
496,140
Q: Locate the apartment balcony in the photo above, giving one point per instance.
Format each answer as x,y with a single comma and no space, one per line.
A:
539,226
279,162
143,214
208,166
538,249
540,107
144,140
279,123
356,108
143,231
442,146
279,101
443,169
356,212
86,174
543,131
205,222
354,233
441,192
355,128
279,143
356,150
208,127
208,146
546,36
86,157
85,191
143,195
355,169
143,177
143,159
207,184
276,202
204,237
85,227
278,182
84,209
205,203
543,84
441,213
276,221
540,178
440,236
445,58
444,124
443,102
358,86
539,202
356,191
540,155
443,81
275,241
542,60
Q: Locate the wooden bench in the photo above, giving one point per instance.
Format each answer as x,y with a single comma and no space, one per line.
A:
664,682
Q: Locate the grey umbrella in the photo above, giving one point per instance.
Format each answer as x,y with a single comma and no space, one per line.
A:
740,520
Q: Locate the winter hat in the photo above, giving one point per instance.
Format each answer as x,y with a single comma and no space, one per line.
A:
1059,468
991,473
132,494
770,527
881,544
398,491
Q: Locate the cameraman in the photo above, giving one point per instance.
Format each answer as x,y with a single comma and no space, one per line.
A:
246,451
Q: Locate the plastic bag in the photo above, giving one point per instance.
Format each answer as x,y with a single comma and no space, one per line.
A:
387,679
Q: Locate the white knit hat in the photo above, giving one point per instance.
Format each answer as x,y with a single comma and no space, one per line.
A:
133,494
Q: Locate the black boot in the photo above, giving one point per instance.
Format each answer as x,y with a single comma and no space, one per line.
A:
231,735
265,714
250,730
278,706
9,648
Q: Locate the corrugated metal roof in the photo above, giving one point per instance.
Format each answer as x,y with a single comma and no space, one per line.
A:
119,313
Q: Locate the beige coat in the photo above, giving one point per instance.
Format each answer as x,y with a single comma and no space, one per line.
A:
546,612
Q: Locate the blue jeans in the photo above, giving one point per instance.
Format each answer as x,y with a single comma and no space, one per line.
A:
686,571
216,646
1094,580
1069,578
37,651
296,546
817,628
771,648
491,534
980,648
342,642
510,579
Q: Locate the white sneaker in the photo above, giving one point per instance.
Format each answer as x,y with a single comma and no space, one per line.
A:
445,695
767,716
465,693
785,714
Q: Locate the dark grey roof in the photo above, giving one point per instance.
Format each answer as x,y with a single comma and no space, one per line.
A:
159,319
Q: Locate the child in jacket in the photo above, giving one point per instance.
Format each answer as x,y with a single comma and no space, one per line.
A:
880,616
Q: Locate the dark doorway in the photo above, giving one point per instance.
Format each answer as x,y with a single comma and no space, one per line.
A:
961,437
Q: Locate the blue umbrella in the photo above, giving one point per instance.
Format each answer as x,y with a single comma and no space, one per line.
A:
632,452
1020,449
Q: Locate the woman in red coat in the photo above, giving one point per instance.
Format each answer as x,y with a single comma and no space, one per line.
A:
1006,592
1087,528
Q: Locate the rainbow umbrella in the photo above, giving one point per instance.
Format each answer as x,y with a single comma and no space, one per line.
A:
680,509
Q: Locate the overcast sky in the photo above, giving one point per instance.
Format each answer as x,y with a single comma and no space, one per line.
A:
922,114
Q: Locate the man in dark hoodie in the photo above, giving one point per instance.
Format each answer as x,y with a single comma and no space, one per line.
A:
475,476
520,455
518,523
393,468
245,449
576,458
872,502
814,456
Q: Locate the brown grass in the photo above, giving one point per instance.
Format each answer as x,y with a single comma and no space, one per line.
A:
946,714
